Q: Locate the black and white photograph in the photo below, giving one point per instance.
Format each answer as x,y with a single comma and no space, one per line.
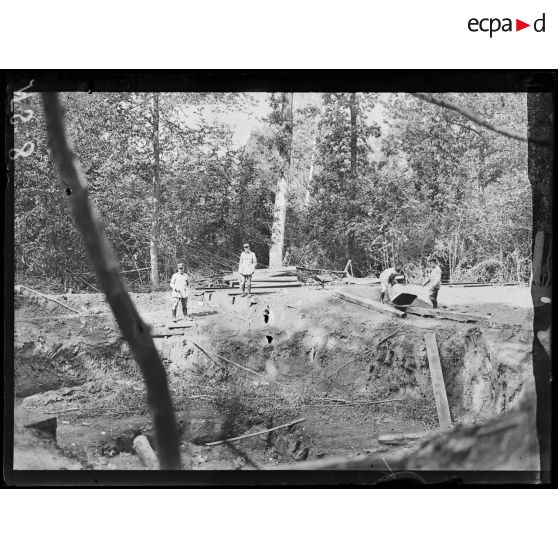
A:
273,280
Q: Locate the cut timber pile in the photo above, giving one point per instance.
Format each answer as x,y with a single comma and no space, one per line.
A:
268,278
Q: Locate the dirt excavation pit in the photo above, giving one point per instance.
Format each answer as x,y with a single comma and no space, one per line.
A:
266,361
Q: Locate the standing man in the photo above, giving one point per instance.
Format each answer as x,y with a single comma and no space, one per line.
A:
388,278
180,291
246,268
434,282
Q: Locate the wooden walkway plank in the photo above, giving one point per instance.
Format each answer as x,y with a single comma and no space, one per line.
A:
444,314
371,304
438,385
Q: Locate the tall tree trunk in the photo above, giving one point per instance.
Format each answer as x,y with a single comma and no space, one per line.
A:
353,106
156,196
540,111
310,173
280,208
482,168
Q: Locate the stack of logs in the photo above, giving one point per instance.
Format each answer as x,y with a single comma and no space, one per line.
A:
268,278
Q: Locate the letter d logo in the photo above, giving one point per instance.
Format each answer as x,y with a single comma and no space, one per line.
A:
539,24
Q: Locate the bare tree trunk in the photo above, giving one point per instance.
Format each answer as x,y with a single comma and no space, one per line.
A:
156,196
106,266
540,111
482,168
353,106
310,173
280,208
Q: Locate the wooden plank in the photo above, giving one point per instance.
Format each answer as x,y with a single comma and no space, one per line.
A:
268,279
445,314
275,285
361,281
537,257
239,294
438,385
284,279
370,304
167,333
319,270
469,285
265,273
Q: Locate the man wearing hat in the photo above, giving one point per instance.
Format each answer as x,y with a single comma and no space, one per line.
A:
246,268
180,291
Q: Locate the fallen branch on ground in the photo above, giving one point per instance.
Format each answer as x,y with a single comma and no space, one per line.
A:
50,298
210,356
255,433
354,403
207,354
240,366
360,356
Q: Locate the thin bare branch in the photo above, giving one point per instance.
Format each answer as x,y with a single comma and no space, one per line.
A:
429,98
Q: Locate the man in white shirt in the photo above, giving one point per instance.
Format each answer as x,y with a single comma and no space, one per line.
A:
388,278
434,282
246,268
180,291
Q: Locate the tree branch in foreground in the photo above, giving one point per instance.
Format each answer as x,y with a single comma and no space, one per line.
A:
105,263
476,118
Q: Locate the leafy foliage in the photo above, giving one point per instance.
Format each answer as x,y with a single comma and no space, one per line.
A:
420,181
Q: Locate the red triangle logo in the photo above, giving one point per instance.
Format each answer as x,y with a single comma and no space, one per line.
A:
519,25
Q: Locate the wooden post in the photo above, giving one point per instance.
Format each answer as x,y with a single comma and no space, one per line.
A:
346,270
437,380
537,257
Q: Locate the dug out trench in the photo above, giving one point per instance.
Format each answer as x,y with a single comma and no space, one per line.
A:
259,363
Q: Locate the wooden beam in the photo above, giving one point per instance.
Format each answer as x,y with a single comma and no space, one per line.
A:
469,285
444,314
172,333
370,304
437,377
282,279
